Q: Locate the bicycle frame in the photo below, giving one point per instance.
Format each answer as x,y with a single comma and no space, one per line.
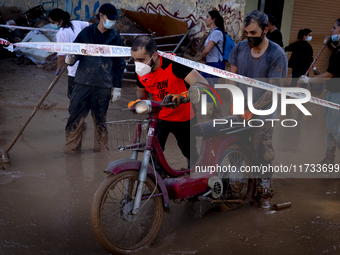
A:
211,152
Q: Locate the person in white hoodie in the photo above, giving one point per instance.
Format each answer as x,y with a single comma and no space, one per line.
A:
68,31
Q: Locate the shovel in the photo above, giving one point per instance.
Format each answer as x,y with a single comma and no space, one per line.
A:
4,160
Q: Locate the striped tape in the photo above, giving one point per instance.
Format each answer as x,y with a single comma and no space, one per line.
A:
121,51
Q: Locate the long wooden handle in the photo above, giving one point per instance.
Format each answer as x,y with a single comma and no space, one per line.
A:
37,107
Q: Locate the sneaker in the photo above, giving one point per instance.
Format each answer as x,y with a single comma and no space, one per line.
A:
265,203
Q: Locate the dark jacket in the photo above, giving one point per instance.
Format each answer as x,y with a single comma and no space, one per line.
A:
104,72
302,55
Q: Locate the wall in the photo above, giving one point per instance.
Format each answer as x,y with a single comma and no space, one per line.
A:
191,11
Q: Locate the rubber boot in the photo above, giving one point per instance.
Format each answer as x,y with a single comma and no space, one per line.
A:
265,192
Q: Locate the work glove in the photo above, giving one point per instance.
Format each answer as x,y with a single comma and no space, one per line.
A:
327,40
57,72
132,103
247,115
173,98
316,71
303,79
70,59
116,94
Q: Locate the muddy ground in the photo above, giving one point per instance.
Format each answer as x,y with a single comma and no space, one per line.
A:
46,195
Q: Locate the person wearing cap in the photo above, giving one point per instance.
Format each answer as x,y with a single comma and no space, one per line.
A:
95,80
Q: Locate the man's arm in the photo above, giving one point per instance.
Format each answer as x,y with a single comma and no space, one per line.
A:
142,93
267,96
233,69
207,49
118,70
321,78
194,77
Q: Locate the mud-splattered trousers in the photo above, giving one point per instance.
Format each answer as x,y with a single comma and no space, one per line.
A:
70,86
84,99
263,154
95,78
332,126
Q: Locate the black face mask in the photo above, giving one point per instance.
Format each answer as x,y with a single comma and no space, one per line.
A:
255,41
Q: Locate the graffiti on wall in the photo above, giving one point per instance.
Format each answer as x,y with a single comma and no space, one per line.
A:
193,11
78,9
232,18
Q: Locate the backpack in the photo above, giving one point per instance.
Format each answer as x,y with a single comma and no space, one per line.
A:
228,45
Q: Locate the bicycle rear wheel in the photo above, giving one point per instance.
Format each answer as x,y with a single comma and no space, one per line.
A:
115,228
237,185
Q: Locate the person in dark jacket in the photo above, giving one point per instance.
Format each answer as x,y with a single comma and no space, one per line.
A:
331,77
274,34
95,79
302,55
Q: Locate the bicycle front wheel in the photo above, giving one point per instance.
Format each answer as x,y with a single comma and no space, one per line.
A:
115,228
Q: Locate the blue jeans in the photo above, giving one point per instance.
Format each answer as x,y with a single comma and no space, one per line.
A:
210,77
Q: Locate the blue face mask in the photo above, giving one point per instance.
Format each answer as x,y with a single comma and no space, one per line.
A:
335,38
55,26
109,24
309,38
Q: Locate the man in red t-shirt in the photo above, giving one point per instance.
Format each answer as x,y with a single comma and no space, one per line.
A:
161,77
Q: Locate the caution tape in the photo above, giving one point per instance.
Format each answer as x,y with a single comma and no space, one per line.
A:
56,31
242,79
4,42
96,50
30,28
121,51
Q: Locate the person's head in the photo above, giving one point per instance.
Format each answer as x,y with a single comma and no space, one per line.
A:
58,18
144,53
255,27
214,19
336,31
305,34
108,15
271,20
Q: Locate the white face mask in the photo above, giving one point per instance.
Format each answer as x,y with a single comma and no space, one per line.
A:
142,69
309,38
109,24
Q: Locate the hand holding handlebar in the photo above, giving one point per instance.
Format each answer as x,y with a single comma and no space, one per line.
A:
176,99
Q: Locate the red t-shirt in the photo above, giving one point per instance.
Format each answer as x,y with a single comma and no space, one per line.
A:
168,79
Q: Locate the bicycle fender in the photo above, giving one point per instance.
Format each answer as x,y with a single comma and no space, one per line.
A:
227,142
132,164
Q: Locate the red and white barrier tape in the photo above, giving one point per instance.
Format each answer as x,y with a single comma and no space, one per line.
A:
30,28
97,50
120,51
56,31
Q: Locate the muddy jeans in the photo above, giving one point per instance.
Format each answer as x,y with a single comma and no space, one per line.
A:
84,99
263,153
332,126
